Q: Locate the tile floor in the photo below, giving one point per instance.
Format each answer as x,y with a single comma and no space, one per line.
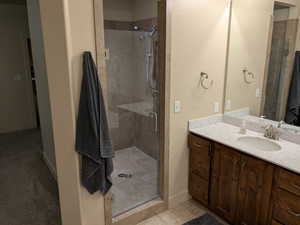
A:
142,187
178,215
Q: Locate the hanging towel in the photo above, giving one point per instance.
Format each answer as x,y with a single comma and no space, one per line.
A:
92,134
293,106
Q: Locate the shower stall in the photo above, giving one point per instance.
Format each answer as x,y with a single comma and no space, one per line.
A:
132,51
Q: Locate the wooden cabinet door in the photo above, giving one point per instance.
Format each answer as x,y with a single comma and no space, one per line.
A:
254,193
200,160
200,157
224,183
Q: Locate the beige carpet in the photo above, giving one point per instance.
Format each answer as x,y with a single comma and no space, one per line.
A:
28,192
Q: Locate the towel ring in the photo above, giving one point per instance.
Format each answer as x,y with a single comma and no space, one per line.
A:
204,77
247,75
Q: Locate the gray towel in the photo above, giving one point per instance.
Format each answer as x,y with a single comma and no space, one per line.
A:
92,133
293,106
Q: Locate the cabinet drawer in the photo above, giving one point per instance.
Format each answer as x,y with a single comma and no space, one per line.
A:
286,208
288,181
198,189
198,142
200,163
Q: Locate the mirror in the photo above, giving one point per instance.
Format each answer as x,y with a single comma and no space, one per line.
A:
261,54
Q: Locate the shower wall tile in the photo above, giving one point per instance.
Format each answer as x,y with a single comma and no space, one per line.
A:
146,138
144,9
124,136
143,25
118,10
119,66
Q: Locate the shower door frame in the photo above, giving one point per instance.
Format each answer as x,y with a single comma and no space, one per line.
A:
153,207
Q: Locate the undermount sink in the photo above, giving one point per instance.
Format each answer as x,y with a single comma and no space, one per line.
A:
260,143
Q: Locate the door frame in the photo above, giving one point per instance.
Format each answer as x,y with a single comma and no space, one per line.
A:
151,208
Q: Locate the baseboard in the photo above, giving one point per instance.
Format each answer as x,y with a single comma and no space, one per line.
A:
50,166
181,197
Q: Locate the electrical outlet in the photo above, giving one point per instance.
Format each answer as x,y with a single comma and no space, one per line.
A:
228,104
177,106
216,107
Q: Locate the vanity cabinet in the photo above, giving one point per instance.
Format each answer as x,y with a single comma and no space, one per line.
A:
200,165
239,186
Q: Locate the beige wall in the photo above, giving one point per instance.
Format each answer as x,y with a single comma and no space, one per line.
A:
34,20
16,93
68,28
198,43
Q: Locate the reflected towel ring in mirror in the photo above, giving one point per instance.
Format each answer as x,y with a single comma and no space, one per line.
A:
248,76
204,79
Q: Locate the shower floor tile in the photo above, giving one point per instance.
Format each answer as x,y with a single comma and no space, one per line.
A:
142,187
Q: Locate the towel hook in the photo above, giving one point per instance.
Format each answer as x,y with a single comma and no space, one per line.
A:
248,74
204,77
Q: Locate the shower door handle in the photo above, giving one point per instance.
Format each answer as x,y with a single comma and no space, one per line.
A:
155,116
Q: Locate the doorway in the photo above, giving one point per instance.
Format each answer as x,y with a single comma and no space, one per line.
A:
134,34
29,191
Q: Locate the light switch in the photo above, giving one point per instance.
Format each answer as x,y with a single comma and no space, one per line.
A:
216,107
257,93
228,104
177,106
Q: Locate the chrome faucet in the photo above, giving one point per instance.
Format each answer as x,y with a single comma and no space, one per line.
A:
272,132
280,124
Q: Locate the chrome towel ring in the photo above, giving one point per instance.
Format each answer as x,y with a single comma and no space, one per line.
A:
204,81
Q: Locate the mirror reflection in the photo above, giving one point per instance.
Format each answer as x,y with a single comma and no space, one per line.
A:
263,73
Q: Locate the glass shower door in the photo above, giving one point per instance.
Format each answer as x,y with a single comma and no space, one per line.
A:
131,38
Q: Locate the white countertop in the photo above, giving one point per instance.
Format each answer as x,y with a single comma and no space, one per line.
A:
288,157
